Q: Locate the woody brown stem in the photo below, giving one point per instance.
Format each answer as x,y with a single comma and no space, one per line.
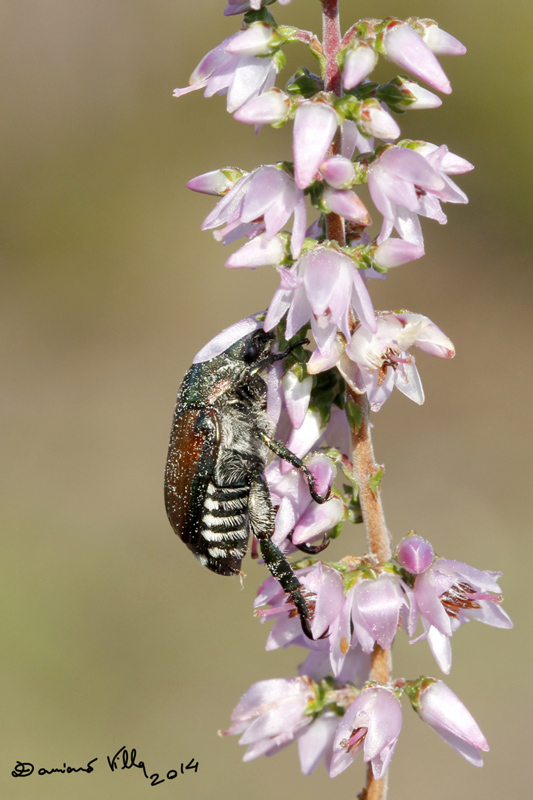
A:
367,477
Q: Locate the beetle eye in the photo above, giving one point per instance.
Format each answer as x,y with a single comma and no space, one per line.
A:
251,353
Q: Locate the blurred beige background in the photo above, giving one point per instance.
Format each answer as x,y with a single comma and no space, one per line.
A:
111,633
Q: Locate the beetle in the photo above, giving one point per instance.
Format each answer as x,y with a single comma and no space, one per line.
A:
215,490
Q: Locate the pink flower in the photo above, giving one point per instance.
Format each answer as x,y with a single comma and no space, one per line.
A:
261,201
298,514
445,713
376,362
404,183
240,77
315,742
446,595
372,723
258,39
376,607
322,287
270,714
315,125
406,48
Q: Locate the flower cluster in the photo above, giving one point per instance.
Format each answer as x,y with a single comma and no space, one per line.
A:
367,189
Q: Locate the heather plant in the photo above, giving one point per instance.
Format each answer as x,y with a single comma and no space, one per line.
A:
345,699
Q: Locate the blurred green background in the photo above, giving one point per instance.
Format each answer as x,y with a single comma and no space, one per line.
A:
111,633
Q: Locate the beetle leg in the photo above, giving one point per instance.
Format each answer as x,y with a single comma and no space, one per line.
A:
310,549
283,452
266,362
261,518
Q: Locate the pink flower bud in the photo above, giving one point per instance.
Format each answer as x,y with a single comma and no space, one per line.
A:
421,99
216,182
394,252
259,252
442,43
359,62
268,109
347,205
338,172
227,337
376,121
405,47
415,554
448,717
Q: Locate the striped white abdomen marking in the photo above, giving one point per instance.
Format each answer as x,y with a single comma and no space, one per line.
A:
224,528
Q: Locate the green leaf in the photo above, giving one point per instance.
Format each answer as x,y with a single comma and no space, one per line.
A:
375,481
354,414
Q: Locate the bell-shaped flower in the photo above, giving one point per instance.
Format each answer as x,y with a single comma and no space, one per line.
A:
449,593
263,200
402,45
315,742
270,714
376,608
315,125
319,663
322,287
322,588
359,62
376,362
445,713
372,723
258,39
404,183
240,77
297,513
442,160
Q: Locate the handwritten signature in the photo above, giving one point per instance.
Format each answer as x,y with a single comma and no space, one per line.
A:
123,759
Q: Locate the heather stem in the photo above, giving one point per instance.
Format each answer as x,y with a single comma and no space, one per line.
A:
365,468
367,473
331,31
